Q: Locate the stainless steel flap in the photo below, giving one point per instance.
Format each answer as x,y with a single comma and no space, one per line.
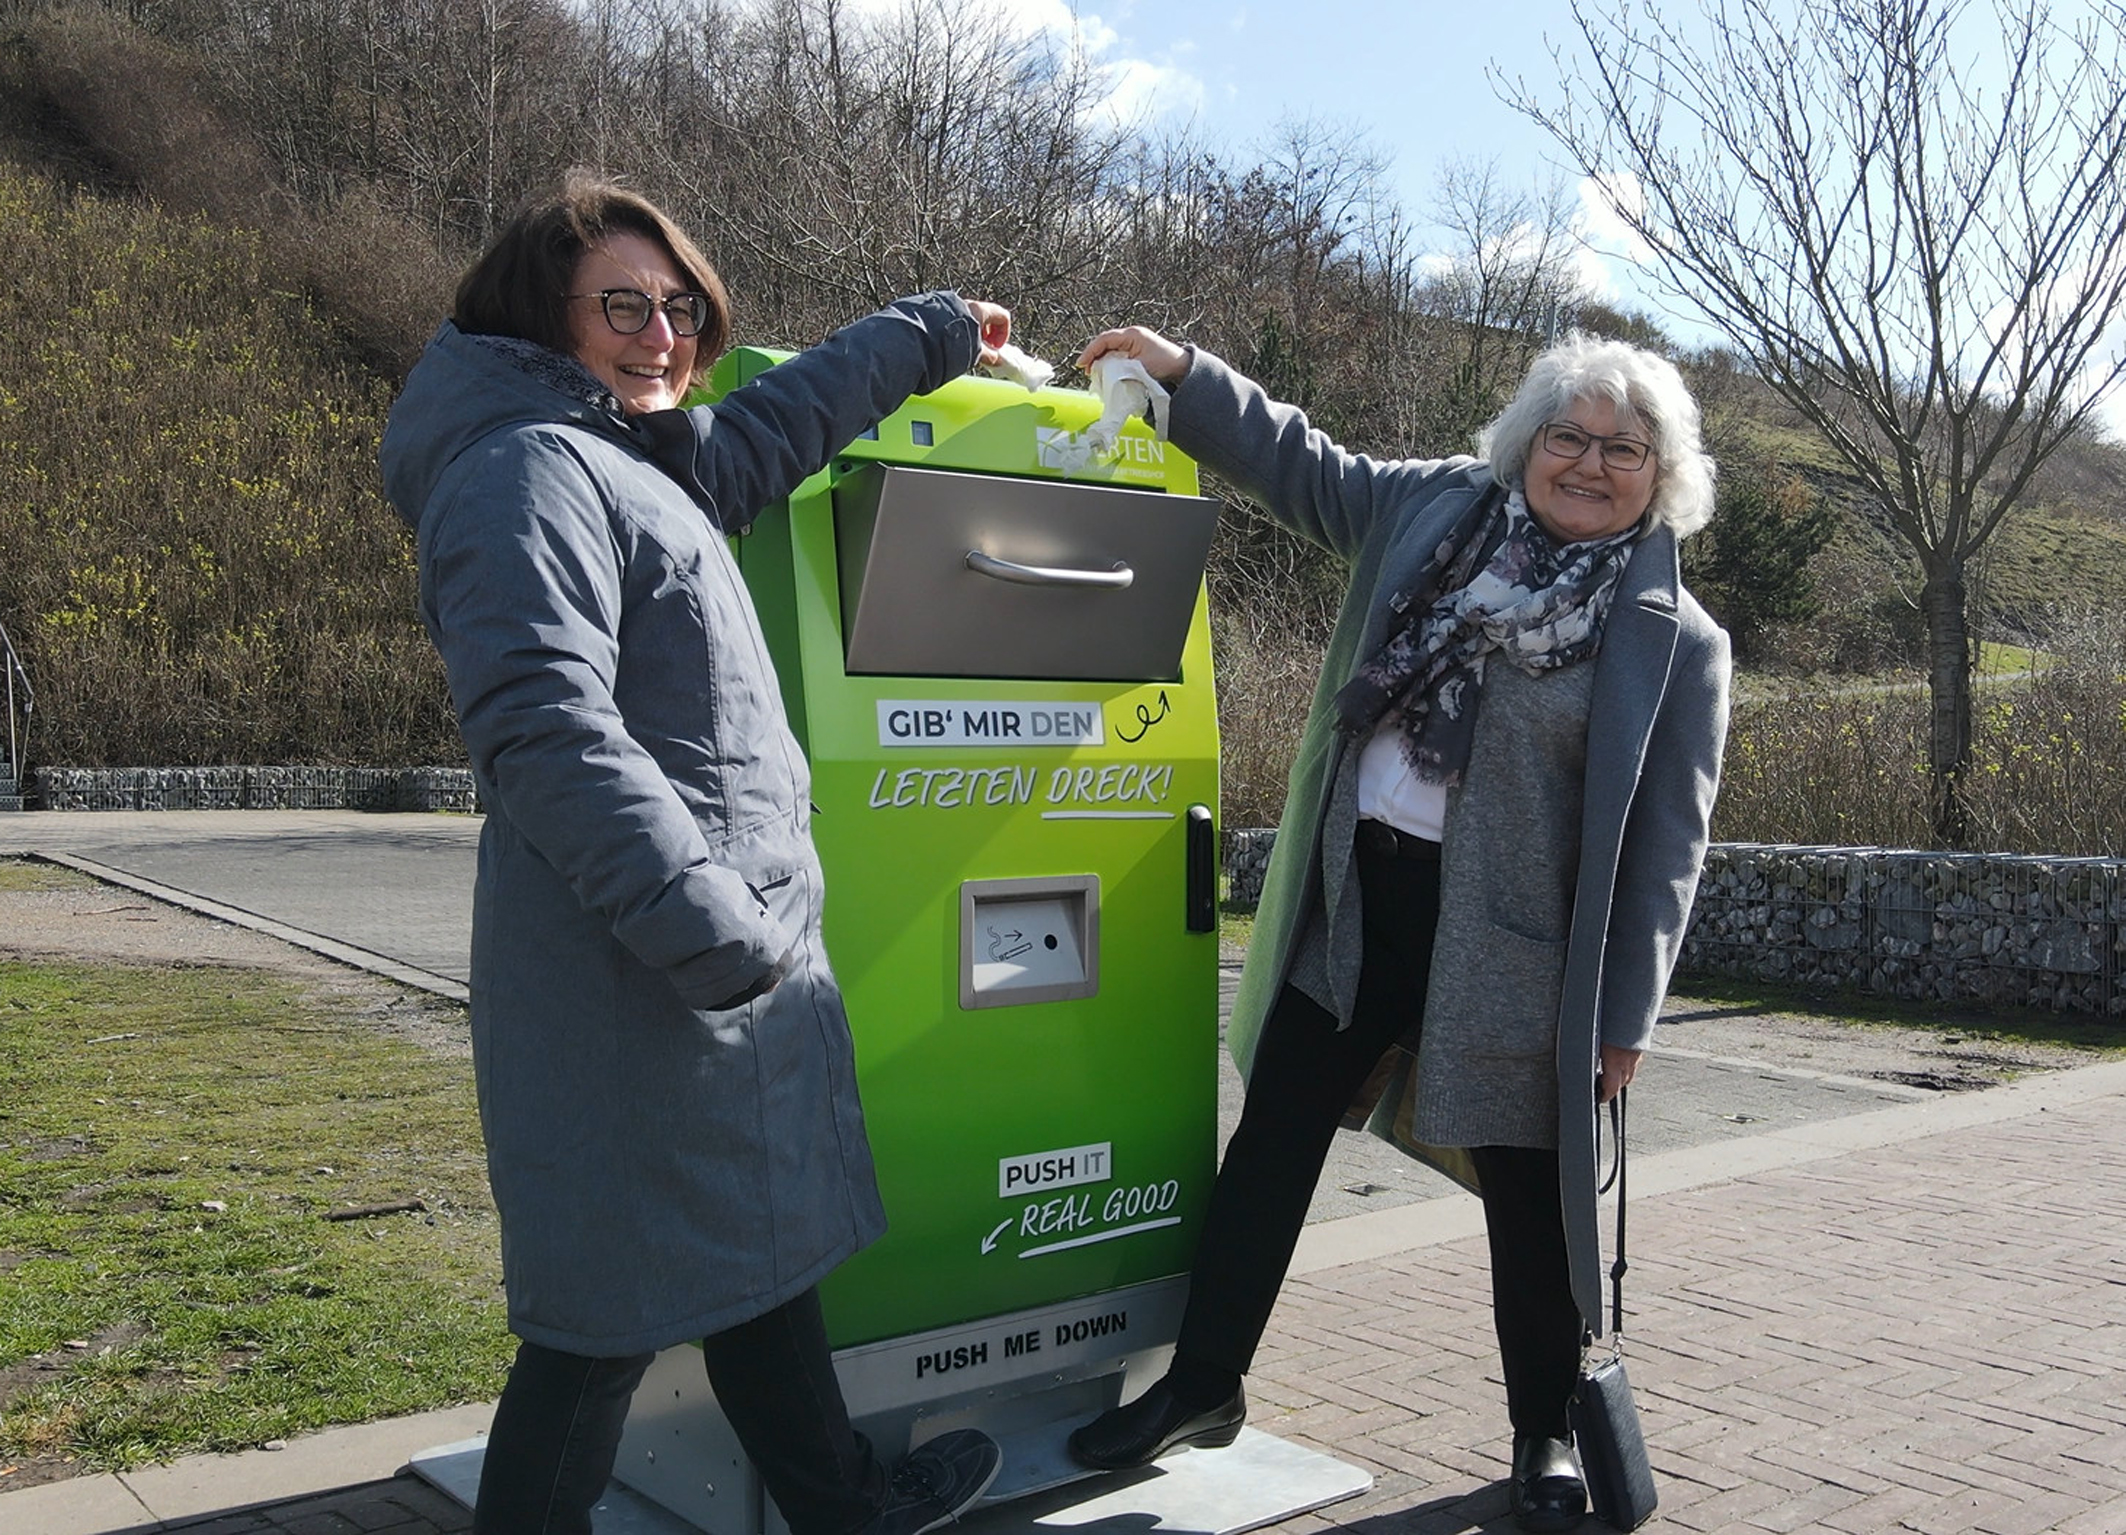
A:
968,575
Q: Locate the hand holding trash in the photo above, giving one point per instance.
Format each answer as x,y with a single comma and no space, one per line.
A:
1165,361
1126,390
995,321
1130,370
1015,366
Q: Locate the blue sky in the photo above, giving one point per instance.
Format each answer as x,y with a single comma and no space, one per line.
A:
1415,78
1411,78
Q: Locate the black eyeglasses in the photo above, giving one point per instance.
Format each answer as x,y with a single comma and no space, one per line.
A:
628,310
1565,440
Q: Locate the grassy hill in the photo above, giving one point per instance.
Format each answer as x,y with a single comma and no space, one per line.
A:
2060,553
195,559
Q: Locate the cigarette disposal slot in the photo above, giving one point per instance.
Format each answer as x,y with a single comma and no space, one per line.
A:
1029,940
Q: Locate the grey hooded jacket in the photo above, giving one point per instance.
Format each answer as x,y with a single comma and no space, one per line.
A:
665,1166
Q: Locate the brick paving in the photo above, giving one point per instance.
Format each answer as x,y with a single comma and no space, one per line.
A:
1928,1338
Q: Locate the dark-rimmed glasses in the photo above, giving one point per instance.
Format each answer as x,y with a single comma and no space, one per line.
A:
1564,440
628,310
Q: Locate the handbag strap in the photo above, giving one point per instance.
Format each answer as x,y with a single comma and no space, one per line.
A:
1616,1176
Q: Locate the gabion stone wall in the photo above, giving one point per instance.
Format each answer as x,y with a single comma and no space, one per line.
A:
255,788
1247,859
1991,928
1941,927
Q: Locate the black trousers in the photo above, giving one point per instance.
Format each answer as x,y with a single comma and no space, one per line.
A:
1305,1074
557,1429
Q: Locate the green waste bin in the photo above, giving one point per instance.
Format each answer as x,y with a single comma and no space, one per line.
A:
993,644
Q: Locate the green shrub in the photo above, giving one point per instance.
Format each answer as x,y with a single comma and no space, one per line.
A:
195,558
1846,764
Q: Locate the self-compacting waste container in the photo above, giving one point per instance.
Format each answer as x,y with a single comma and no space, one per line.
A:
992,642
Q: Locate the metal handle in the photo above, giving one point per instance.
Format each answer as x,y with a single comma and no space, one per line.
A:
1114,580
1200,893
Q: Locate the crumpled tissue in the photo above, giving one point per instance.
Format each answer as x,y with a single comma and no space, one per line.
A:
1016,367
1125,391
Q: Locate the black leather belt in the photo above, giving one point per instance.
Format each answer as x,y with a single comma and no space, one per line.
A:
1380,837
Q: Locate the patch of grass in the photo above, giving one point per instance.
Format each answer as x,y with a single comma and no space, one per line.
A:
2042,553
2100,1038
1996,660
171,1140
27,874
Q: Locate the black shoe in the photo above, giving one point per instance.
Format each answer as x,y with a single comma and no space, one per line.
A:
1138,1434
936,1482
1548,1492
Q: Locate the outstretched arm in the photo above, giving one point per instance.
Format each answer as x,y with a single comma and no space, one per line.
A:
1226,421
755,445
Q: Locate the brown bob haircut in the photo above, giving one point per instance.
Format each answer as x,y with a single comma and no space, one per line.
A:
520,286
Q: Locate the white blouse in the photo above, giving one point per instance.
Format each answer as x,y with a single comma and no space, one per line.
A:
1389,791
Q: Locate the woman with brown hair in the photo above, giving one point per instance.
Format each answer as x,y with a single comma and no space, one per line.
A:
665,1071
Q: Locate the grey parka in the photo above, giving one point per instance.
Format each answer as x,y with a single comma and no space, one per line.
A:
664,1170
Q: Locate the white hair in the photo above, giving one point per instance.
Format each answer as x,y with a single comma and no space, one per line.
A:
1648,393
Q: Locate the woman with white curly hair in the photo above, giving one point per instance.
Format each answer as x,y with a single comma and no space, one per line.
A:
1490,843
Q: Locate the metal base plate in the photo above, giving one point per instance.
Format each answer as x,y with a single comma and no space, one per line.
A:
1258,1480
454,1471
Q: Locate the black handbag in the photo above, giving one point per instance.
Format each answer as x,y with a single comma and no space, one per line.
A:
1605,1424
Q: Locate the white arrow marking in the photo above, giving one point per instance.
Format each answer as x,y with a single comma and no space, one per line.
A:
989,1243
1098,1236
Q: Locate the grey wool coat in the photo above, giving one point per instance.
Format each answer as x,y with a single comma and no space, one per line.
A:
664,1168
1657,721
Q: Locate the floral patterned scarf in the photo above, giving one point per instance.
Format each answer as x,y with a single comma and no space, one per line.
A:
1504,585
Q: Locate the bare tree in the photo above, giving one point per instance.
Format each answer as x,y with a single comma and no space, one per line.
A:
841,157
1918,239
1503,289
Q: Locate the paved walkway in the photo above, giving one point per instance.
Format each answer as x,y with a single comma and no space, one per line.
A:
389,887
1860,1311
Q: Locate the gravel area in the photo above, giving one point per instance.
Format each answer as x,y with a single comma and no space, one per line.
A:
62,915
1944,1056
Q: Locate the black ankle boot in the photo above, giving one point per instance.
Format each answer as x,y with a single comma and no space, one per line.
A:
1548,1492
1139,1433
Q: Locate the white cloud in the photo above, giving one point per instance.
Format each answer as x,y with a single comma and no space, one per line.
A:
1607,240
1141,91
1526,243
1039,17
1592,271
2111,416
1600,224
1047,15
